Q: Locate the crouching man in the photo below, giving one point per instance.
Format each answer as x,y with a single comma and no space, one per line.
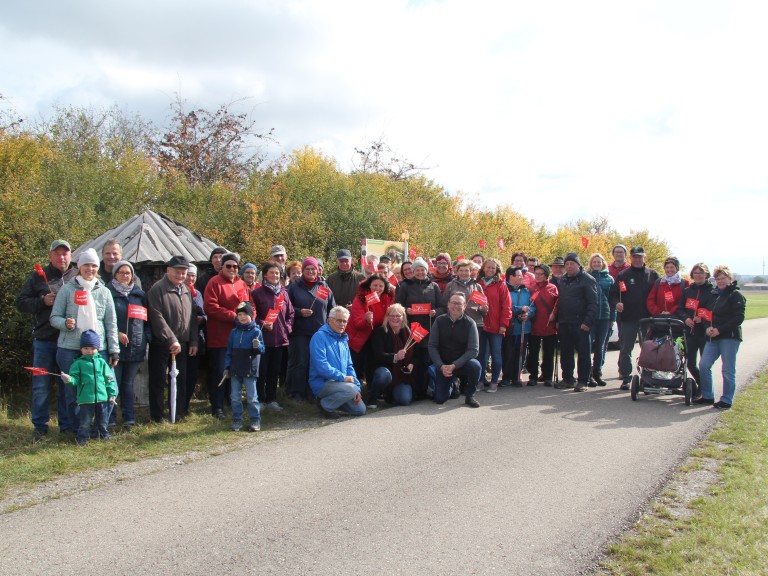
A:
331,373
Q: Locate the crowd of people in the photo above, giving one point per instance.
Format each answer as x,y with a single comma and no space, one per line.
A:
423,329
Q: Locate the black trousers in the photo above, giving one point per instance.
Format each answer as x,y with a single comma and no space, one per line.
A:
545,344
159,364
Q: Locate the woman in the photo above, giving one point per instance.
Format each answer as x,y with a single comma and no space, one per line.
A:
364,318
442,274
496,320
293,270
310,314
271,295
249,273
393,365
193,362
465,283
420,290
84,303
513,346
543,331
727,307
601,328
132,333
696,296
406,271
667,290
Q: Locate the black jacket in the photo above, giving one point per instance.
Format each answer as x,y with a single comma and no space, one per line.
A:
30,300
577,303
728,310
703,294
639,282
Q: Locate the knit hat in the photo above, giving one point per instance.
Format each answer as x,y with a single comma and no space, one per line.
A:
308,261
192,270
672,260
245,307
544,268
420,263
217,250
228,257
249,266
572,257
122,263
444,257
89,339
88,256
620,246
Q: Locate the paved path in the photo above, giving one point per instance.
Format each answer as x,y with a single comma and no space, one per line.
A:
536,481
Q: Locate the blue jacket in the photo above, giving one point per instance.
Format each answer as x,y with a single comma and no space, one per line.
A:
604,282
242,359
301,297
329,359
520,297
137,330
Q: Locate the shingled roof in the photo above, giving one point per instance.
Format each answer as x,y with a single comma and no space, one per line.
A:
152,238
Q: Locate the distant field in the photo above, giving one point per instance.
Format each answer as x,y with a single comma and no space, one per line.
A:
757,304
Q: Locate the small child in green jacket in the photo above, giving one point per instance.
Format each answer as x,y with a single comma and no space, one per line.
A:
95,383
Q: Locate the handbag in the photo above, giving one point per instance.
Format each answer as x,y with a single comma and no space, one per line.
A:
658,354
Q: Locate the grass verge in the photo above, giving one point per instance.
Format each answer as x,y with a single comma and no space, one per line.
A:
724,531
757,305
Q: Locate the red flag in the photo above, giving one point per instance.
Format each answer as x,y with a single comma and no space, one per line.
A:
41,272
393,280
431,264
419,333
412,253
322,293
622,286
584,242
692,304
271,316
704,314
421,308
500,243
413,325
279,301
479,298
137,312
482,244
37,371
460,257
372,298
535,295
81,298
668,297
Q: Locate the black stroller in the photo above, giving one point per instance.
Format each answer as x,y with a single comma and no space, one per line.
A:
661,366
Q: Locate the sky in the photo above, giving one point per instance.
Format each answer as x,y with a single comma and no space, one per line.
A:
653,115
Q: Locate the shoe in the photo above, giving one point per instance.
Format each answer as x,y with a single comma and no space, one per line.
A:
492,388
371,406
327,415
580,387
532,382
599,380
236,426
38,435
721,405
254,428
517,384
592,382
704,401
624,386
471,402
274,406
220,414
505,384
564,385
455,393
548,383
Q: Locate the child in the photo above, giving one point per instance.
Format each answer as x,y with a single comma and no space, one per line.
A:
95,384
242,365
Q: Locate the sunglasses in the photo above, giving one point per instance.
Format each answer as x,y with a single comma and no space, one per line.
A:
235,266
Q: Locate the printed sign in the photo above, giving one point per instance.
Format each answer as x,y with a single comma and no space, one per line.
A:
692,304
421,308
704,314
272,316
372,298
137,312
323,293
81,298
668,297
419,333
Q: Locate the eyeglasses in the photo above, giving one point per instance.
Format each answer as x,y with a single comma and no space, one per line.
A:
340,320
235,266
124,272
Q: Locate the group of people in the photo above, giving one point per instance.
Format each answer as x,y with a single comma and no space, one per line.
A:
422,329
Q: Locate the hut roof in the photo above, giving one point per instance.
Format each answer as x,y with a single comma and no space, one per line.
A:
153,238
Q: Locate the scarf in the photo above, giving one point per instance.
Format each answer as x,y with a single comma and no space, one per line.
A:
675,279
464,283
276,288
86,315
488,281
122,289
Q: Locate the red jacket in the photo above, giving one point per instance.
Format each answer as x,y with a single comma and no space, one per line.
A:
657,298
614,270
220,302
359,329
545,304
499,306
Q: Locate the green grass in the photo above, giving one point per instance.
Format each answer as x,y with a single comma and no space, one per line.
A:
757,305
727,532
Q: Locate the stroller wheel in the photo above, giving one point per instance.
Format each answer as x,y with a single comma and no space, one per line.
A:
690,384
634,387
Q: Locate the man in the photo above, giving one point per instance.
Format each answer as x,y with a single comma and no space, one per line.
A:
575,315
111,254
174,331
385,269
619,263
557,268
223,294
532,263
344,282
278,255
637,281
331,373
215,259
453,348
36,298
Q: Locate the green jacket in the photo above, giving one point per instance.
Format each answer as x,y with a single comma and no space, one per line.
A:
93,379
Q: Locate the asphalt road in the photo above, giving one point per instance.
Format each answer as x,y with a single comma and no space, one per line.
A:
536,481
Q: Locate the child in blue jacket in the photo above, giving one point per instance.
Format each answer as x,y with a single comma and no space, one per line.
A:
241,363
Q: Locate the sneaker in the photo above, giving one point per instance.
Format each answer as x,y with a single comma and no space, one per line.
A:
236,426
371,406
455,393
592,382
564,385
704,401
274,406
721,405
220,414
599,380
492,388
471,402
254,428
624,385
580,387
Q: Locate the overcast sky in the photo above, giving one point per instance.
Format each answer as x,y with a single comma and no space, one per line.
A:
652,114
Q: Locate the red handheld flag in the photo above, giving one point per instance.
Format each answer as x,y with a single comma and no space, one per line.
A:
535,295
412,253
279,301
419,333
584,242
692,304
421,308
137,312
323,293
460,257
500,243
271,316
41,272
81,298
704,314
622,286
482,244
372,298
37,371
478,298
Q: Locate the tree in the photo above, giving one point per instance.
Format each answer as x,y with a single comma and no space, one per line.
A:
379,158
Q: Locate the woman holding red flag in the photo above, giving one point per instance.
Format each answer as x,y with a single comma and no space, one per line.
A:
667,290
392,359
374,296
496,320
543,328
695,297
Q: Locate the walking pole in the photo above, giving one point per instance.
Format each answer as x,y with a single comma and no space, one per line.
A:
557,360
522,350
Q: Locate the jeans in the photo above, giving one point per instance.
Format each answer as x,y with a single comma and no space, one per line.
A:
599,334
251,399
297,378
402,395
44,352
726,349
216,393
125,373
472,370
382,378
101,410
575,340
627,337
341,396
490,346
